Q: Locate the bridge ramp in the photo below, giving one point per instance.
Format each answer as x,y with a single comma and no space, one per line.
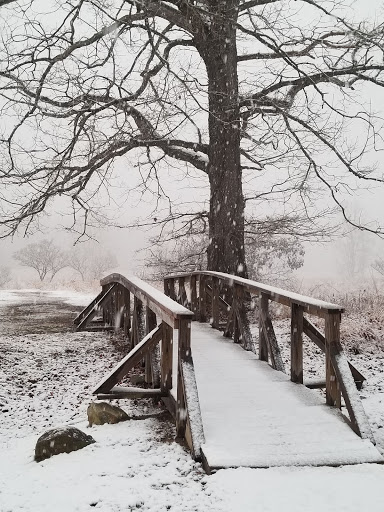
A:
254,416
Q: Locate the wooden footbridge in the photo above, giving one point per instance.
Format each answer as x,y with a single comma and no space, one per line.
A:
232,400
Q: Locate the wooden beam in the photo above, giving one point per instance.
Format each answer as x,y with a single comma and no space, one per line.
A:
312,306
241,317
315,383
228,330
118,392
182,297
98,328
277,361
215,303
194,301
127,312
273,346
263,343
92,311
169,288
202,298
164,307
222,303
89,308
166,357
359,420
318,338
297,343
332,347
150,324
184,352
130,361
192,408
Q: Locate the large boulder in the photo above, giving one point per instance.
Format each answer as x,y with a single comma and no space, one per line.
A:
61,440
103,412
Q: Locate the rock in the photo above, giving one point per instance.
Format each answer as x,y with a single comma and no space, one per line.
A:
61,440
137,379
103,412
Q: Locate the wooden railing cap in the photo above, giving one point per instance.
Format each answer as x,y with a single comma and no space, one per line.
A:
315,306
154,298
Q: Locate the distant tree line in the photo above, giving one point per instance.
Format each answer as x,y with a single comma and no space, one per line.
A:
48,259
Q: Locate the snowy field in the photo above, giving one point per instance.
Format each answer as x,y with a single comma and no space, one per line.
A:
47,373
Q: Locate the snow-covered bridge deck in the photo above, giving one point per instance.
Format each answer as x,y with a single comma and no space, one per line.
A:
255,416
234,408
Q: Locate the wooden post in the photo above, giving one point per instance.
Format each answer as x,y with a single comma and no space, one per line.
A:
215,303
113,307
202,298
166,357
169,288
127,312
297,343
150,324
106,314
193,287
166,287
184,354
119,309
138,329
332,342
263,308
183,299
235,310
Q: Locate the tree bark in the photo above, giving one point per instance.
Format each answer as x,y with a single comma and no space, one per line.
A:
226,251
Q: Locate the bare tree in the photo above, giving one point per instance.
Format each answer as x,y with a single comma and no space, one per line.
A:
378,265
91,264
181,256
270,258
5,276
44,257
101,263
6,2
258,97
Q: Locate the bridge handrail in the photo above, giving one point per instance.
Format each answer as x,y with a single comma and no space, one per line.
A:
231,307
150,330
313,306
167,309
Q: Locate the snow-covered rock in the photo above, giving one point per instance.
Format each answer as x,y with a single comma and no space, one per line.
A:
103,412
61,440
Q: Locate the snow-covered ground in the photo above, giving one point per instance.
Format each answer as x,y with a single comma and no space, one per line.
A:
46,377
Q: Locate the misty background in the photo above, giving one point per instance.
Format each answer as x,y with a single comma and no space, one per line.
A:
346,255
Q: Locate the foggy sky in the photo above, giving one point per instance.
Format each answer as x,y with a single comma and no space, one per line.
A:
321,260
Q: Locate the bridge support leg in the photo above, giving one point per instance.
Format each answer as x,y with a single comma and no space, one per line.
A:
263,346
296,343
332,347
166,358
202,298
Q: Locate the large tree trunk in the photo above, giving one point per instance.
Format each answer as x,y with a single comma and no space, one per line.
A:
226,251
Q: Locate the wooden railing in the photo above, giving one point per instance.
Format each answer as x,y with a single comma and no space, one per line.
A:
225,300
149,318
